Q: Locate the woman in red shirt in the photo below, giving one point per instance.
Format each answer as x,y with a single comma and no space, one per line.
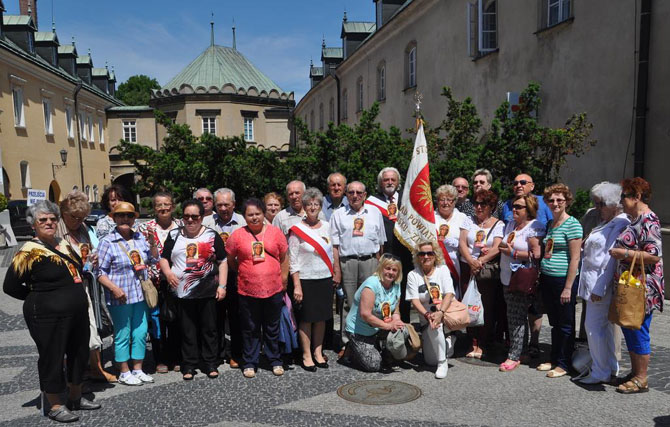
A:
258,252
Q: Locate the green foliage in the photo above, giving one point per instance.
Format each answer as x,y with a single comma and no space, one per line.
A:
580,204
137,90
3,202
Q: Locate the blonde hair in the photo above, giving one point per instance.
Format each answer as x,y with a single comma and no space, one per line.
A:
385,261
439,260
75,202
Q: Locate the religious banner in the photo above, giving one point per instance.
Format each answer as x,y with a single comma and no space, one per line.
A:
416,216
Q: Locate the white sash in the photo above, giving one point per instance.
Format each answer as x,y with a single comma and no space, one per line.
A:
379,204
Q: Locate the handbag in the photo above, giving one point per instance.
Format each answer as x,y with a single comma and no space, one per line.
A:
103,320
473,301
629,301
491,269
524,279
168,303
456,317
404,343
148,289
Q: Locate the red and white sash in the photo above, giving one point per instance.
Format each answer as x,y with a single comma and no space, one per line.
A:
325,250
379,204
449,261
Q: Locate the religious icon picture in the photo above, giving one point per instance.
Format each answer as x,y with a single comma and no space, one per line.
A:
435,294
258,251
479,239
359,226
392,210
136,260
386,312
444,231
84,251
224,236
191,256
510,238
74,272
549,248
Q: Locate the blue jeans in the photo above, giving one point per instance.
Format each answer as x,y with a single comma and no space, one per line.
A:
254,313
130,331
561,318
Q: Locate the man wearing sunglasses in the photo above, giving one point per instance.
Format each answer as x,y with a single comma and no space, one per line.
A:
523,185
207,199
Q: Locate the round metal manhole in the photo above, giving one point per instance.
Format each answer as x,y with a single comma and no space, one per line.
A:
379,392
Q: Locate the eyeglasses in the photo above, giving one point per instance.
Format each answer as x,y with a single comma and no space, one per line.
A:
313,205
164,206
522,182
44,220
445,200
557,201
429,253
390,256
190,217
78,218
126,215
461,187
475,203
518,207
352,192
203,198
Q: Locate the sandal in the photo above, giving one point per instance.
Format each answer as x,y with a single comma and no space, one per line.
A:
188,375
249,372
475,354
509,365
213,374
544,367
555,373
633,386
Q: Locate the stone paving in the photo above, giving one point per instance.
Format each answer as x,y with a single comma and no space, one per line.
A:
471,395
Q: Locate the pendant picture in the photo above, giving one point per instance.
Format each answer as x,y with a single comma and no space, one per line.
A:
479,239
84,251
258,251
74,272
191,256
359,226
386,311
136,260
435,294
444,231
224,236
510,238
392,210
549,248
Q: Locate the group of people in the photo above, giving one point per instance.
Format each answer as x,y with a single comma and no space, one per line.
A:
268,274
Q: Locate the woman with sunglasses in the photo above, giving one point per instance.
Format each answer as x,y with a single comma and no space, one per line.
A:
199,282
430,289
642,237
121,277
559,280
74,208
110,198
164,335
374,313
479,240
520,244
46,274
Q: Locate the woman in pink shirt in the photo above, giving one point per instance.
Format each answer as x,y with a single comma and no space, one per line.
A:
258,252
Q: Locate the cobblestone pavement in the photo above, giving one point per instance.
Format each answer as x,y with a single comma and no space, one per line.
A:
471,395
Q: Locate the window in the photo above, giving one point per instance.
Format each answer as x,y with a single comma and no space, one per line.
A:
411,67
19,118
96,192
311,120
68,122
48,124
345,102
87,191
482,27
101,131
321,116
89,123
130,130
359,94
248,129
209,125
558,11
82,126
381,82
331,110
25,174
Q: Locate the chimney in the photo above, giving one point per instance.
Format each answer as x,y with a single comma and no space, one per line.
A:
29,7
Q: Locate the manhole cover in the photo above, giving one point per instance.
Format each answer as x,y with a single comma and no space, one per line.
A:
379,392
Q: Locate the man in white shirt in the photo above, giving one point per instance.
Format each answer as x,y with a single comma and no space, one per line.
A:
294,212
336,198
207,199
358,237
225,220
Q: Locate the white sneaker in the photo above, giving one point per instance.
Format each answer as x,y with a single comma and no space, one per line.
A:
143,377
442,369
451,345
130,379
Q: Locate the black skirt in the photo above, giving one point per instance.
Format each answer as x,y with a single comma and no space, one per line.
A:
317,300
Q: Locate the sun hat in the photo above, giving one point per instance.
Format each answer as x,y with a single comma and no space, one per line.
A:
125,207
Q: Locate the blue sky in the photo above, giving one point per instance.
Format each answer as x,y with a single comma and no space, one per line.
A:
160,37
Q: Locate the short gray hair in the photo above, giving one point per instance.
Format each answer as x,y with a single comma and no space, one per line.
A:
195,193
312,194
383,171
356,182
446,190
608,192
41,207
336,174
296,181
225,190
485,172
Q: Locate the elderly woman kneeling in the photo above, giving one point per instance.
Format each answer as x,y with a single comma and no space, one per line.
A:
374,313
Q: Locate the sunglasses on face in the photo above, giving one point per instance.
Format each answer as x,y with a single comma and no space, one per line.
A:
429,253
391,256
203,198
521,182
126,215
190,217
483,204
44,220
358,193
518,207
626,196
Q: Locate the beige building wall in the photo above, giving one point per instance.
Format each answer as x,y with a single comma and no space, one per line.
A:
586,64
146,134
32,143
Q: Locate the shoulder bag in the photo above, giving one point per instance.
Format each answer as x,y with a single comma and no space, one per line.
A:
456,317
629,301
148,288
524,279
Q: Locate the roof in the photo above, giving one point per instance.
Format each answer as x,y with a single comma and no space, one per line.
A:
352,27
67,49
127,108
45,36
221,69
17,20
315,71
99,72
84,59
332,52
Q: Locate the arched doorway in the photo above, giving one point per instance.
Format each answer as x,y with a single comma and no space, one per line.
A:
54,192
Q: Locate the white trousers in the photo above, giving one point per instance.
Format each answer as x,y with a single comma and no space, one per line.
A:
601,336
433,345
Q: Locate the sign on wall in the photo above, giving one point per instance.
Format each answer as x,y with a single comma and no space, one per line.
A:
35,196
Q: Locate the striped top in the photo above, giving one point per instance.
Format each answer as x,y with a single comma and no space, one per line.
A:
556,260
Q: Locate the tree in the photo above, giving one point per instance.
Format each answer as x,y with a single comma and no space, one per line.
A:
137,90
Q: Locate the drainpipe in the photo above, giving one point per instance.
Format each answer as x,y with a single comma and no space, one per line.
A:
642,84
76,109
337,81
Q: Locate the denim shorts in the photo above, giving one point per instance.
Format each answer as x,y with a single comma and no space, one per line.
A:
638,341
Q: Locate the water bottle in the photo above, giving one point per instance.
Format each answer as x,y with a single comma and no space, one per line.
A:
340,292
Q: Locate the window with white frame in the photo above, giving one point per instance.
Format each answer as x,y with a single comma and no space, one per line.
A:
89,123
249,129
19,117
411,66
482,27
25,174
130,130
101,130
209,125
321,116
557,11
359,94
48,116
345,102
381,82
69,125
82,126
331,110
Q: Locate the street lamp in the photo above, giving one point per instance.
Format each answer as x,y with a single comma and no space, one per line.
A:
63,157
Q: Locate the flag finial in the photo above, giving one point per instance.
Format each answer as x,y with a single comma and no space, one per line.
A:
418,97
